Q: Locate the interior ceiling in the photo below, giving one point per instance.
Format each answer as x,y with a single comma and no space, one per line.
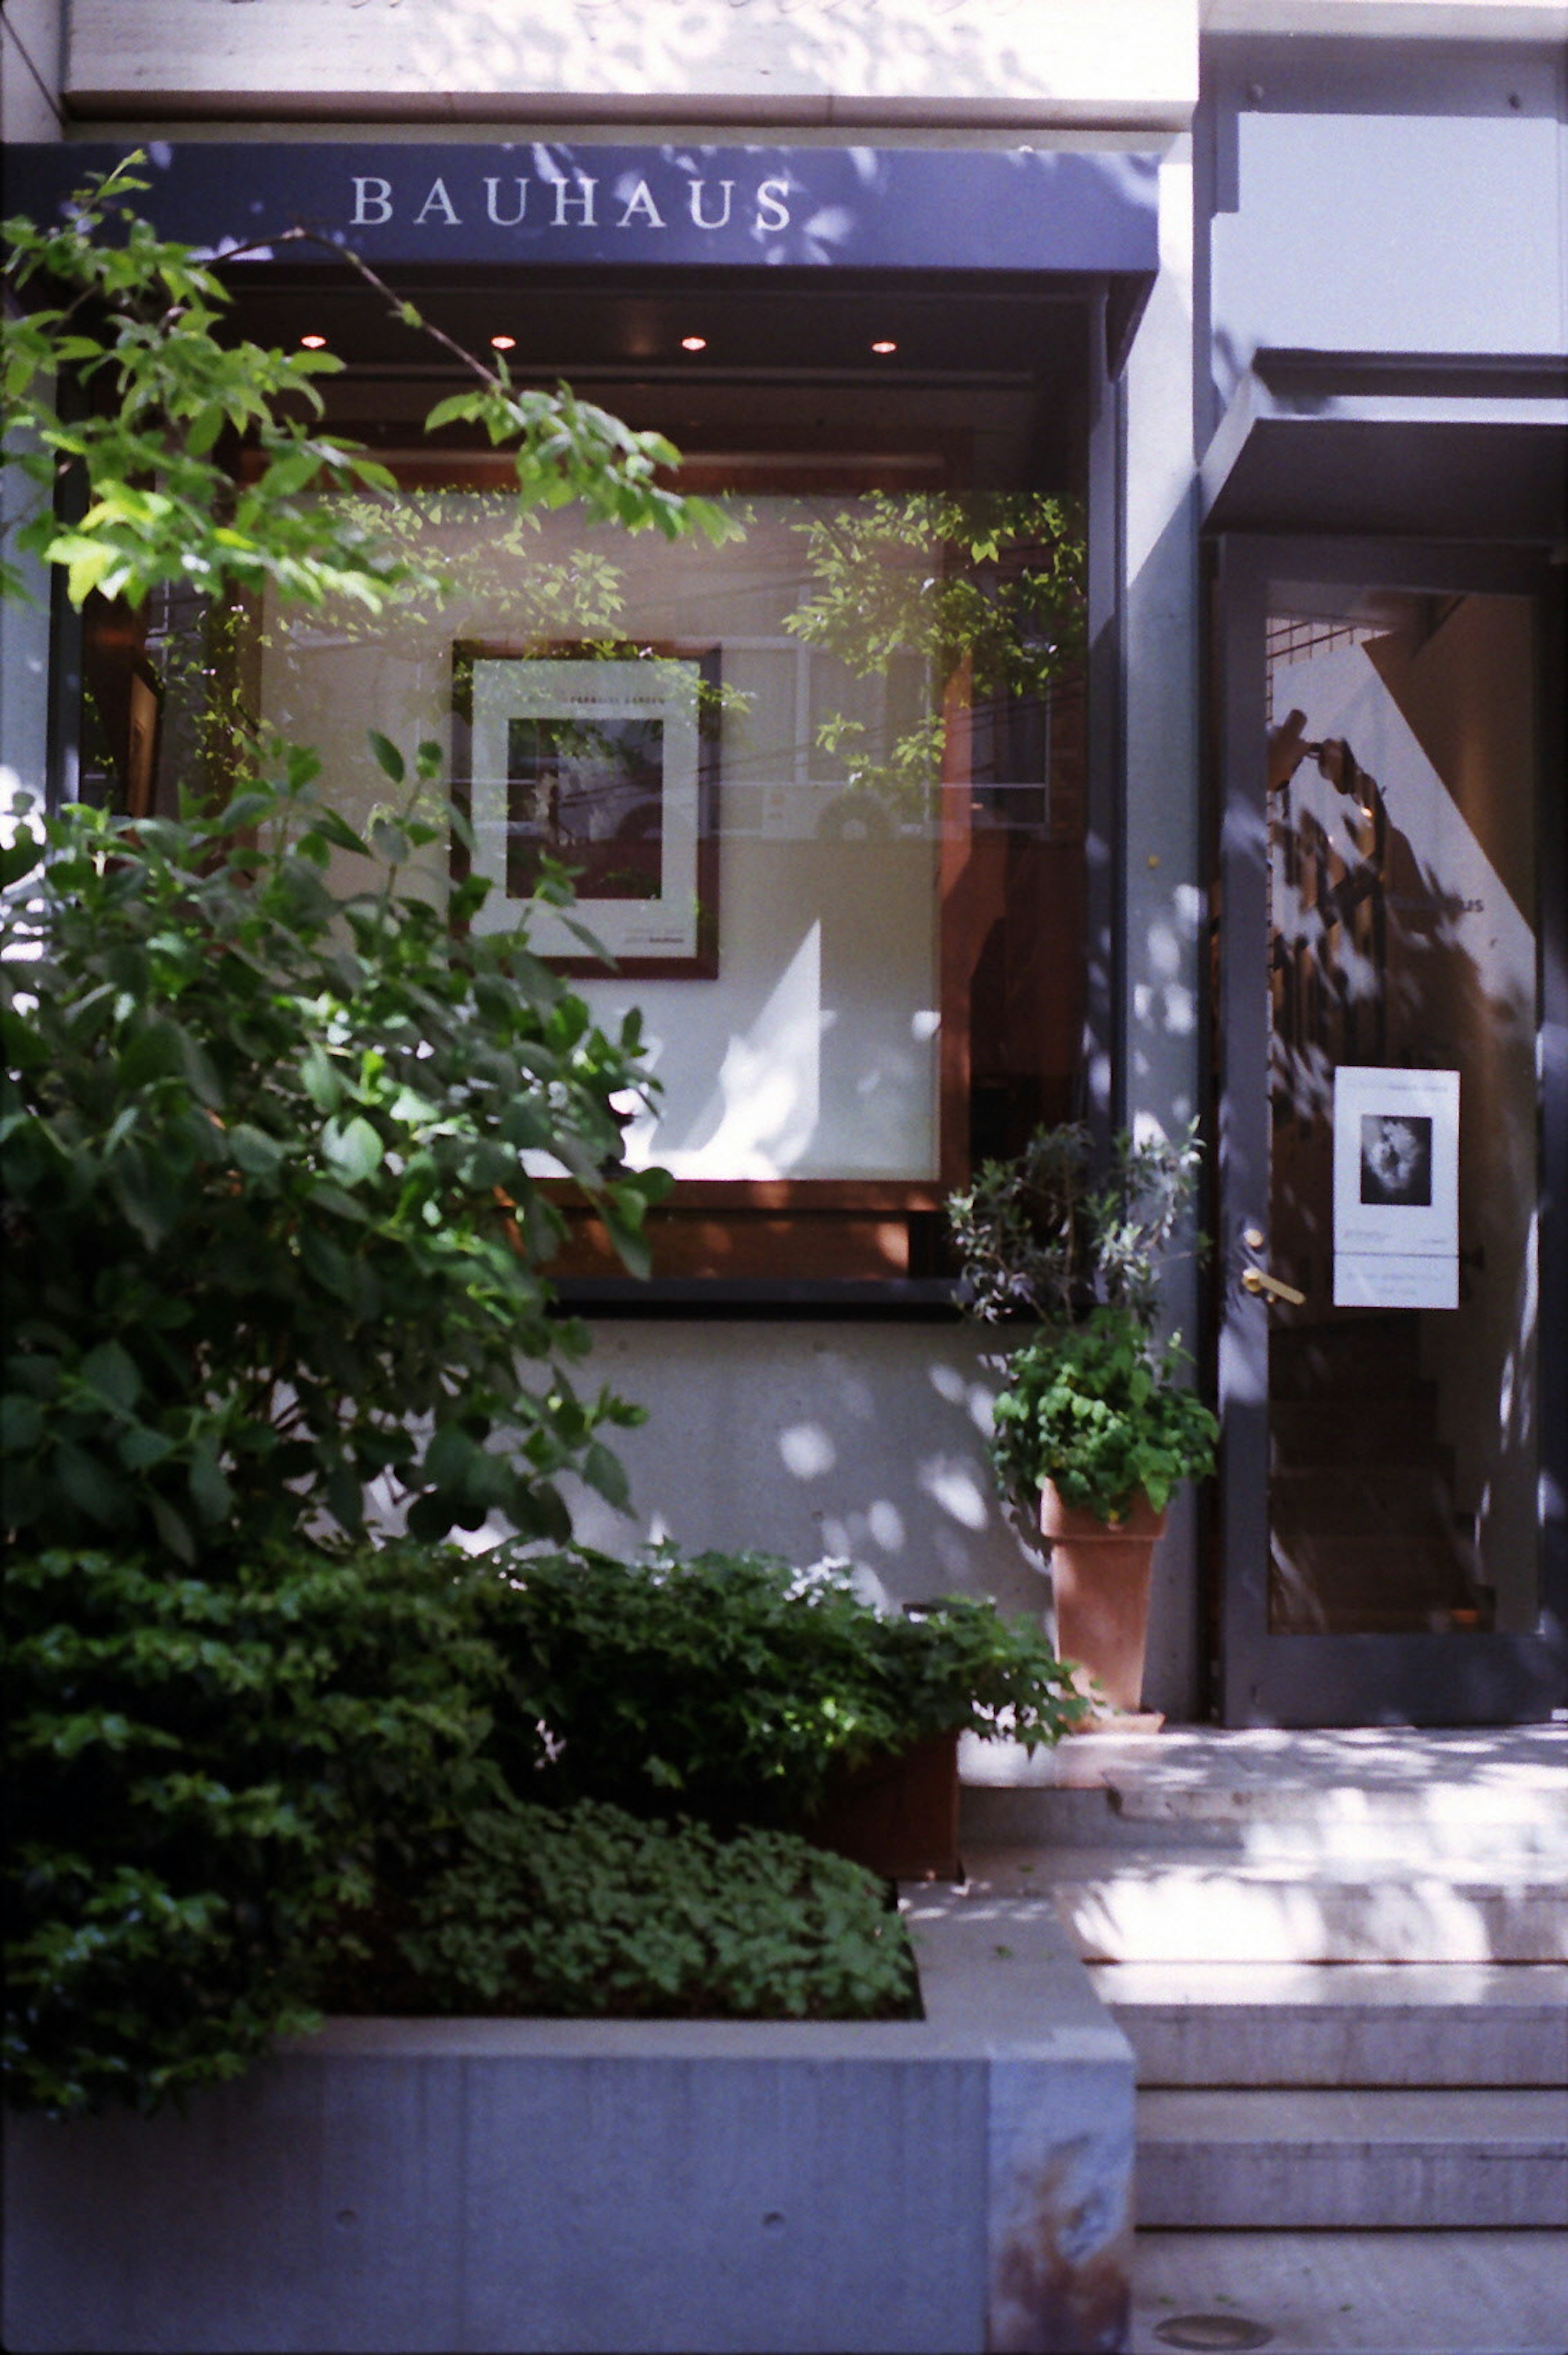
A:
783,351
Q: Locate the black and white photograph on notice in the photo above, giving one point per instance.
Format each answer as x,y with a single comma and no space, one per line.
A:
1396,1187
602,759
1396,1158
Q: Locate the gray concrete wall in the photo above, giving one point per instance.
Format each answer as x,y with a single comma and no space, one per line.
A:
861,1440
936,2187
1162,1012
32,62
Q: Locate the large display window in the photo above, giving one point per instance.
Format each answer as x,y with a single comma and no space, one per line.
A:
821,784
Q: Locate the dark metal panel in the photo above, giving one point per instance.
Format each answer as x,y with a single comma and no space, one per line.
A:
1357,474
1553,855
1103,843
1242,1142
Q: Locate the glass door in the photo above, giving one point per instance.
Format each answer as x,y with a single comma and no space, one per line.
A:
1393,1318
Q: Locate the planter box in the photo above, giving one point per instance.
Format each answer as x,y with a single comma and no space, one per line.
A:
957,2183
896,1813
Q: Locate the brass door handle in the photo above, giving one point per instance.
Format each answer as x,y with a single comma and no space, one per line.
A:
1258,1280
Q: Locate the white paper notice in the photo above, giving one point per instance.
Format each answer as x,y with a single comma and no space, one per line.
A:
1396,1188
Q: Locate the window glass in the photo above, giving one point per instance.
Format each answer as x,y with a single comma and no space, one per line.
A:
822,786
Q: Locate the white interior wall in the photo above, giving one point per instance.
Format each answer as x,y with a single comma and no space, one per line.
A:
812,1051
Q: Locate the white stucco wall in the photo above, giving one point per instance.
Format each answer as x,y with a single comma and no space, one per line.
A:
1389,232
1162,1011
1121,62
861,1440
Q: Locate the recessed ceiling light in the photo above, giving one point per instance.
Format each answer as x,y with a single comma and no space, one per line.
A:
503,343
313,343
886,344
694,343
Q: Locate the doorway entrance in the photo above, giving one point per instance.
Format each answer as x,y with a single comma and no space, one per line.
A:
1393,1314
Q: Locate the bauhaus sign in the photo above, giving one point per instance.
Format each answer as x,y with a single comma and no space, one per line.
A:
576,203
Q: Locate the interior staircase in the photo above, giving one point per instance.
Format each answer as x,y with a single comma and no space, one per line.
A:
1341,1959
1364,1534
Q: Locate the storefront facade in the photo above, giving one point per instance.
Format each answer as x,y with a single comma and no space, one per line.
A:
1248,352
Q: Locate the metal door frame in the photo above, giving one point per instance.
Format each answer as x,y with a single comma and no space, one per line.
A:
1364,1680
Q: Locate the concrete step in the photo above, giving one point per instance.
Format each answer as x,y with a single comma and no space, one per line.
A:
1415,2160
1496,1797
1405,1829
1127,1905
1351,2293
1341,2024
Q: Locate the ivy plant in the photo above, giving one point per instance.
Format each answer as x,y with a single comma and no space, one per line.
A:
1096,1410
589,1910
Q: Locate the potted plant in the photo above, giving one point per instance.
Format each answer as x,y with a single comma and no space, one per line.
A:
1094,1427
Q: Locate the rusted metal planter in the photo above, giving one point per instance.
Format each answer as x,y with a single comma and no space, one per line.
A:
1102,1574
898,1811
513,2187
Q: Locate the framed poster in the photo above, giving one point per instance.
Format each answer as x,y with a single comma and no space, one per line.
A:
1396,1187
604,758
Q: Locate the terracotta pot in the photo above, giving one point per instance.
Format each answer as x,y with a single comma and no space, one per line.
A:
897,1812
1101,1573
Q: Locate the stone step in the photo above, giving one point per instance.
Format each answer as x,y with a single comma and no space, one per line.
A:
1340,2024
1412,2160
1351,2293
1403,1828
1499,1796
1124,1905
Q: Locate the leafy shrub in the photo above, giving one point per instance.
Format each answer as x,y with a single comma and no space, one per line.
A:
200,1776
1095,1409
270,1229
733,1684
590,1911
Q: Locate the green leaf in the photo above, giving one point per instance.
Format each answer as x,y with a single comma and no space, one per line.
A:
321,1081
19,857
111,1371
93,1489
336,830
174,1528
210,1489
353,1149
21,1422
387,757
256,1153
605,1473
448,1456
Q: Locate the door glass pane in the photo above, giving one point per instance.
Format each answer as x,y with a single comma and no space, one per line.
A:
1403,985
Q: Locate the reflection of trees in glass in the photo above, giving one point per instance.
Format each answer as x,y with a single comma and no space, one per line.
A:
587,794
985,587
